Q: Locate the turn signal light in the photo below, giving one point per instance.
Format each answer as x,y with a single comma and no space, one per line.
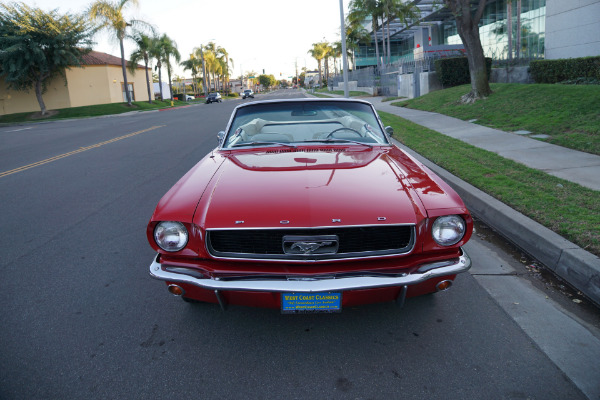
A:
443,285
176,290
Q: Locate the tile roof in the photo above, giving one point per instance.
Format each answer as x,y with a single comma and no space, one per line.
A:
98,58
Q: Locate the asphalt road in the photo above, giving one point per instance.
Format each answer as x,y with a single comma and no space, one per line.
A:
81,318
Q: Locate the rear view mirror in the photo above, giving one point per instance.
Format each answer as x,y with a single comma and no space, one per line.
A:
389,130
221,137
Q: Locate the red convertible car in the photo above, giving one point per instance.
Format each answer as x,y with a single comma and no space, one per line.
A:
307,206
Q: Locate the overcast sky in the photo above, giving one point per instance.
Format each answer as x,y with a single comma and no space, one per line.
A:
272,35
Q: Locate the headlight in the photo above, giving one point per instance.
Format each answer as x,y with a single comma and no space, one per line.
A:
170,236
448,230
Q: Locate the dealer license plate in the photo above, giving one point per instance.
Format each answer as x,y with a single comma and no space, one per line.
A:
297,303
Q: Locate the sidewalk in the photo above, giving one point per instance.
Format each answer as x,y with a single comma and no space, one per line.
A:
578,267
572,165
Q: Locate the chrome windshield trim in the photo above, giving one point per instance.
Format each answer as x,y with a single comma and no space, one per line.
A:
314,284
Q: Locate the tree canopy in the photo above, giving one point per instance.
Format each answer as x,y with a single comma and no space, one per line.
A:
267,80
37,45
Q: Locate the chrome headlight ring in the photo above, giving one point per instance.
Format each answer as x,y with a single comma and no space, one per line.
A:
171,235
448,230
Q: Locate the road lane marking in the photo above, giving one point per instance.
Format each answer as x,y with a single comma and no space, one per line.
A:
80,150
18,130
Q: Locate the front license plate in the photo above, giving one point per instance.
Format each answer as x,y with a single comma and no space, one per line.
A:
297,303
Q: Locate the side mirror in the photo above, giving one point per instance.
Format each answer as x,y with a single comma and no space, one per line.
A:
389,130
221,137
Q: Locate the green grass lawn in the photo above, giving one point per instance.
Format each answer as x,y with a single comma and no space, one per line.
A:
569,114
568,209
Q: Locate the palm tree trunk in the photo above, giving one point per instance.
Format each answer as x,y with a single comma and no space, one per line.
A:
320,78
389,49
158,65
227,73
126,85
376,40
148,81
169,76
383,40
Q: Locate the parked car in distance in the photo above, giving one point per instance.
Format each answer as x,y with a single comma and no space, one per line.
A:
307,206
247,93
214,97
189,97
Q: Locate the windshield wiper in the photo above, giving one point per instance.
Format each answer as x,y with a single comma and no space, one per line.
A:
259,143
338,141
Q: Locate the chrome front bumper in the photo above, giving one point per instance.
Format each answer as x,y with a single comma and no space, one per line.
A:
316,284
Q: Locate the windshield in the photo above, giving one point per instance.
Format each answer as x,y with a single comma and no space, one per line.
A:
293,123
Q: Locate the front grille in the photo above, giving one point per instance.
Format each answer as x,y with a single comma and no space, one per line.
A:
354,242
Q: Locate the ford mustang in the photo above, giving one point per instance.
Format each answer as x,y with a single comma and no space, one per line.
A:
306,205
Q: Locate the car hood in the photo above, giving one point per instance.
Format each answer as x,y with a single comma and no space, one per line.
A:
310,188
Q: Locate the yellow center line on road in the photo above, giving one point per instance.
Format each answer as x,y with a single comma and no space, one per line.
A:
80,150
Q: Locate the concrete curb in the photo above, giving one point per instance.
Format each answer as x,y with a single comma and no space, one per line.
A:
578,267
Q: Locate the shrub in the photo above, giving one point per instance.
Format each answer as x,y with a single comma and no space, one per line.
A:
585,69
454,71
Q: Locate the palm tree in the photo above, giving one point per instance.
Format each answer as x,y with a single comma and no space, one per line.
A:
144,46
328,54
318,52
168,49
363,9
194,64
355,36
110,16
210,61
223,72
155,53
336,53
223,53
199,55
407,13
211,56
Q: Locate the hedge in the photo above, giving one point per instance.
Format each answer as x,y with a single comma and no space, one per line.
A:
570,69
454,71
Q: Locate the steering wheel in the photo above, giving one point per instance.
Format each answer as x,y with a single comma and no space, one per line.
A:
343,129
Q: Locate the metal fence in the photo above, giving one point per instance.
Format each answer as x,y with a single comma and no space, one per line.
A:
365,77
385,78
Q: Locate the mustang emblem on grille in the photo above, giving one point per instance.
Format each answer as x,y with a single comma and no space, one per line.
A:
310,245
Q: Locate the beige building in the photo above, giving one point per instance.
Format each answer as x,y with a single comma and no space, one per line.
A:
100,81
